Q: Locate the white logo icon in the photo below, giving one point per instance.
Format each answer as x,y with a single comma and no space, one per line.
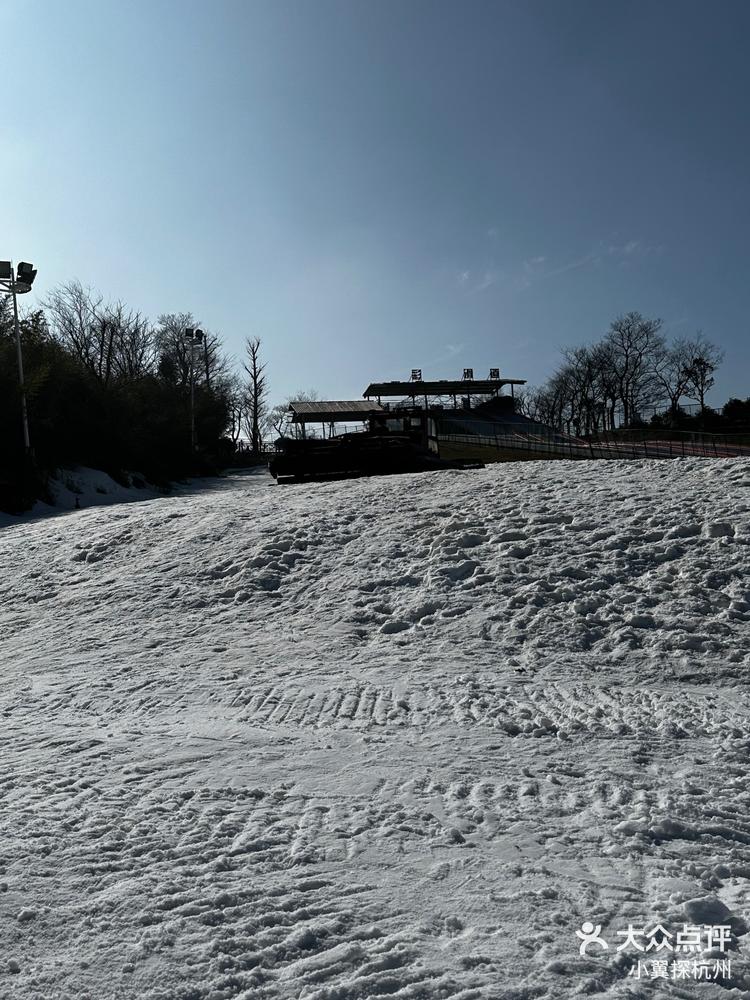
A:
590,935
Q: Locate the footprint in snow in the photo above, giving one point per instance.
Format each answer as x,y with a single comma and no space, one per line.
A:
390,628
720,529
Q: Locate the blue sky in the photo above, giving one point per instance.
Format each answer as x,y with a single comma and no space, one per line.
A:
375,186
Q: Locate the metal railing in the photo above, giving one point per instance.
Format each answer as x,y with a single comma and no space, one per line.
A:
551,444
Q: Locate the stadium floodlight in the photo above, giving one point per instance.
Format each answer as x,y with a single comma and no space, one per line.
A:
25,274
416,375
18,284
468,374
494,373
194,338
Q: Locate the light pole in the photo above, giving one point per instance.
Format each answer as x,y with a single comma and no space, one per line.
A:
193,338
17,283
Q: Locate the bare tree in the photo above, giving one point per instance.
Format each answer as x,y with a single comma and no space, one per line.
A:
630,367
131,352
606,384
257,391
584,380
551,401
278,417
671,372
634,342
76,318
703,360
235,393
536,404
172,348
173,352
525,402
115,343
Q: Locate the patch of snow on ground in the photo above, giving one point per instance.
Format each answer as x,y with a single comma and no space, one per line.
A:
381,737
92,488
87,487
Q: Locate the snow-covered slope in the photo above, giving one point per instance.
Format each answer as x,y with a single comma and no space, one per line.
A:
86,488
382,737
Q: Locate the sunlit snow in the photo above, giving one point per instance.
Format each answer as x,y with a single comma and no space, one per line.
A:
380,737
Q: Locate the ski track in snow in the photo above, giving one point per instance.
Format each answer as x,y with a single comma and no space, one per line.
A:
378,737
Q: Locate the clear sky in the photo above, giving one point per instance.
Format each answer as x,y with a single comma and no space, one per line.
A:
375,186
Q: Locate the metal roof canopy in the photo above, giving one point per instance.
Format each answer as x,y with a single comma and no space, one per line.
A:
333,411
446,387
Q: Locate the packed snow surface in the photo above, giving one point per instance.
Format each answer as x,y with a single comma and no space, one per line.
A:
380,737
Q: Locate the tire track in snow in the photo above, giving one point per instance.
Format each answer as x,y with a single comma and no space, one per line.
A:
235,875
519,710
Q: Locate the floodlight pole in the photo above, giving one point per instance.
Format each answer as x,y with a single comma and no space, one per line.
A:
10,282
192,396
193,337
19,354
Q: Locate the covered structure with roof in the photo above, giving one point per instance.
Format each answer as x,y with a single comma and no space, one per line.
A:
333,411
401,426
417,388
416,394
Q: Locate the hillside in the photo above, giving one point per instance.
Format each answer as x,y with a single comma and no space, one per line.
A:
380,737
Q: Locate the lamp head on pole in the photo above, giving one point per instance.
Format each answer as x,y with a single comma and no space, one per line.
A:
25,273
22,280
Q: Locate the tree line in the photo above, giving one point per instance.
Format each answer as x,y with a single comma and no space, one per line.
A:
610,383
108,388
